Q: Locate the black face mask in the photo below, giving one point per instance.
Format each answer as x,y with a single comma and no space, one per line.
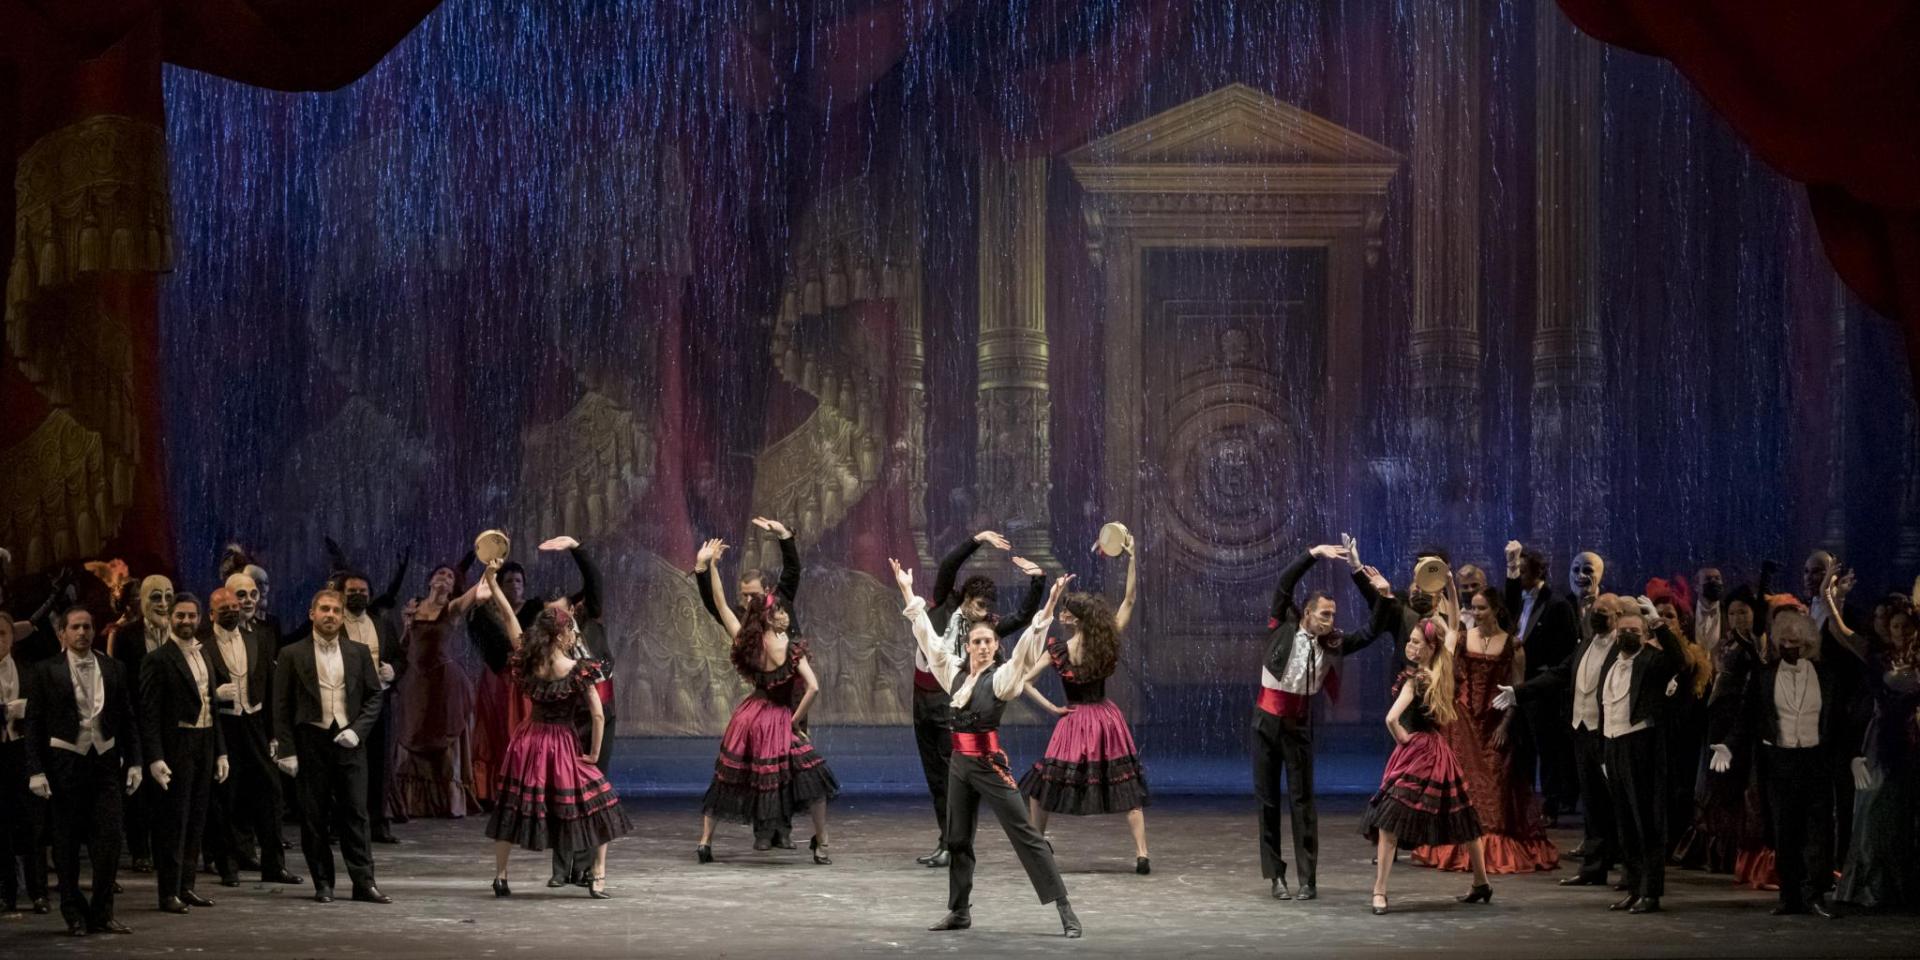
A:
1628,642
1710,590
1598,621
228,621
1421,603
357,603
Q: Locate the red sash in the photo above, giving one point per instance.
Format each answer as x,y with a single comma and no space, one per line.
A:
976,744
1280,703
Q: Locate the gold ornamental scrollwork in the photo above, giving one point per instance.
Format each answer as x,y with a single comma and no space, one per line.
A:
56,493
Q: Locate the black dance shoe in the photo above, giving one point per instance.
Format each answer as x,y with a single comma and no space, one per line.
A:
1142,866
1279,889
192,899
597,888
1646,905
784,841
142,865
322,894
76,928
938,858
1582,881
1481,893
109,926
1627,902
500,888
703,853
959,919
1069,924
230,881
41,906
763,843
370,894
1307,893
1379,904
174,905
1824,910
282,877
819,852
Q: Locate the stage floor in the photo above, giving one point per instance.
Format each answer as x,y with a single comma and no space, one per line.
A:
1205,898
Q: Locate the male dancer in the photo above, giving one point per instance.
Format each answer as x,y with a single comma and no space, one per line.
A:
753,583
955,614
130,645
83,748
366,627
1547,630
1302,649
23,816
981,686
185,751
246,808
326,698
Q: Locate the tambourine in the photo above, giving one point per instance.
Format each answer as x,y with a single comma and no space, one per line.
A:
491,545
1114,539
1432,576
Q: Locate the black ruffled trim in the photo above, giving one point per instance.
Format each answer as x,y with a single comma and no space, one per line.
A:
1418,828
585,673
1087,789
537,831
734,797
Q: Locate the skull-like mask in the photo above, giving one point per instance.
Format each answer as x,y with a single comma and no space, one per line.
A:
156,598
247,592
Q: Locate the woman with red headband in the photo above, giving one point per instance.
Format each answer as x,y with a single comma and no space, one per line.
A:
1422,800
548,796
767,769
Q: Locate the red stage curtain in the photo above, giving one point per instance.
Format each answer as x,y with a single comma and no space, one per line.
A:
1828,94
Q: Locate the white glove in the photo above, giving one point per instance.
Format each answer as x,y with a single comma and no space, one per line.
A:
226,692
1673,686
348,739
220,769
289,766
133,780
386,673
1504,699
1865,777
1722,759
38,784
162,774
16,709
1648,612
273,747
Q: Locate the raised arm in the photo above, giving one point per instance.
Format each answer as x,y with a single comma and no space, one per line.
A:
1029,655
1289,580
707,588
789,585
722,612
1125,613
503,611
940,661
390,597
950,565
1030,601
589,592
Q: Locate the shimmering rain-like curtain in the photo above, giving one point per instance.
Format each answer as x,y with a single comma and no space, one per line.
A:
83,169
1825,93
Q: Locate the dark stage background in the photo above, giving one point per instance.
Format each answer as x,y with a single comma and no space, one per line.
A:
639,271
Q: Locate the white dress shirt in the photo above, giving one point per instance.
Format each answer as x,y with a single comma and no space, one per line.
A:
89,696
1586,683
947,667
202,682
1619,700
1305,656
361,630
330,673
232,645
156,634
1707,625
1796,695
9,692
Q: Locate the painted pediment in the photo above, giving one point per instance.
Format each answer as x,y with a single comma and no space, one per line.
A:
1235,125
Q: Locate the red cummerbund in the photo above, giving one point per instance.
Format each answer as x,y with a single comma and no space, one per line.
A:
976,744
1280,703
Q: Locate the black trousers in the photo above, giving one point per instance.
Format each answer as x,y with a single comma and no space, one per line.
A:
1800,792
137,819
971,779
87,808
23,819
930,710
333,793
1637,784
573,866
245,817
180,810
1543,753
376,750
1284,746
1599,849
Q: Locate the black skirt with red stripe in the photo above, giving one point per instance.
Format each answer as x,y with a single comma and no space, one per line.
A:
1422,798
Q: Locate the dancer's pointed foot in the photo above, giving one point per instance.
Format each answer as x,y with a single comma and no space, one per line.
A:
1481,893
1069,924
703,853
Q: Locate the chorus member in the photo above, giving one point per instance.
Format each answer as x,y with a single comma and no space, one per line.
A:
247,807
23,816
981,686
1639,677
365,626
185,751
1546,628
130,645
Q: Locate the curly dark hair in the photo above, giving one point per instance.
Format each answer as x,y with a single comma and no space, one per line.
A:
1497,602
1099,637
754,625
980,586
553,627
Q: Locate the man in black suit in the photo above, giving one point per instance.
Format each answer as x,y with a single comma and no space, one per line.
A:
1639,678
381,638
246,808
954,613
23,816
1302,651
186,754
1802,713
753,582
130,645
1547,630
83,753
326,698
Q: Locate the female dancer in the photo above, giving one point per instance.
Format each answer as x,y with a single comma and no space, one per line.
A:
1422,797
1515,841
1879,871
548,795
1730,833
767,767
433,706
1091,765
